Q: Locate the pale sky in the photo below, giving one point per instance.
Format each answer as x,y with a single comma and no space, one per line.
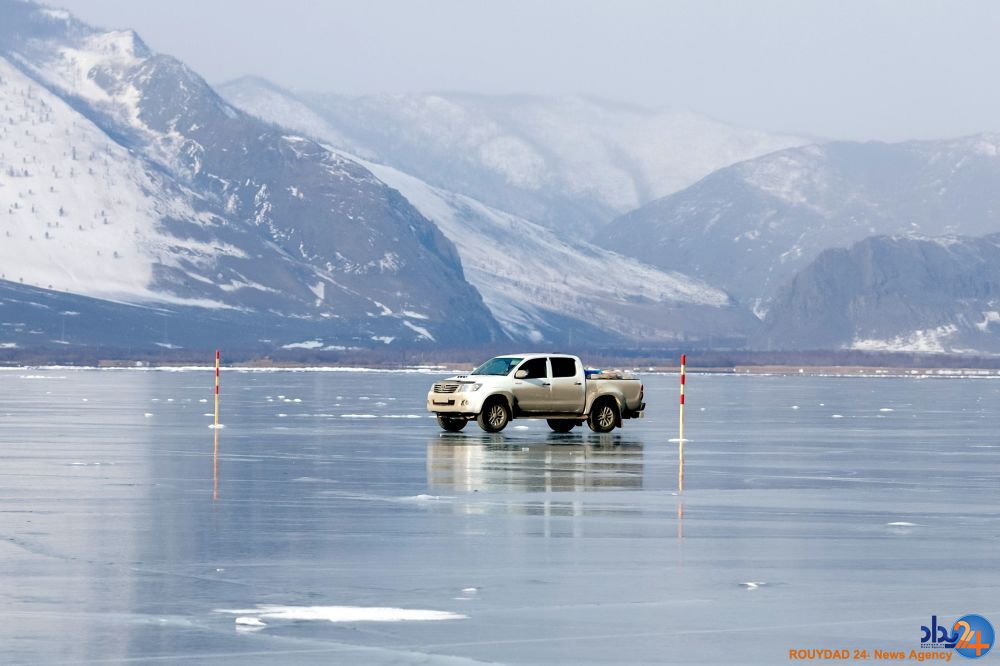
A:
856,69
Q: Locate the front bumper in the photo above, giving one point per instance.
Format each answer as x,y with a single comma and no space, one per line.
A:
457,404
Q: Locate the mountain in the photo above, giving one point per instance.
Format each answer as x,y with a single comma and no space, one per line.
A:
540,285
750,227
126,177
567,163
893,293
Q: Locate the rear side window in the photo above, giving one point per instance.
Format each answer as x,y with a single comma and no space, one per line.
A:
535,368
563,367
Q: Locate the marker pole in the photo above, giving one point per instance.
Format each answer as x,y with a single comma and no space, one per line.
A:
680,435
215,457
217,358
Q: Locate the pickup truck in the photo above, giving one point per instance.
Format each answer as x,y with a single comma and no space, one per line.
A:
554,387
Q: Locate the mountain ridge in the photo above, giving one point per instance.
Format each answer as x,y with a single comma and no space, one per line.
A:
750,227
569,163
520,266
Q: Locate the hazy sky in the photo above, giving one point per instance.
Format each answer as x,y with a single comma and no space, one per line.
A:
865,69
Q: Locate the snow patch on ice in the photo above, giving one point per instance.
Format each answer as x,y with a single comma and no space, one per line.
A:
342,613
428,498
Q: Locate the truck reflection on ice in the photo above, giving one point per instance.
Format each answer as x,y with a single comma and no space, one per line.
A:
557,463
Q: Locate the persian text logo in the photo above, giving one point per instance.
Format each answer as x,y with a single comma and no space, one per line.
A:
971,636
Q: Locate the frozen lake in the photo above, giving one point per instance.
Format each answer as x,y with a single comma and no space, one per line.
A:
817,512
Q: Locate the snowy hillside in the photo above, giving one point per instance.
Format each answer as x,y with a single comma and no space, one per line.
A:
569,163
78,212
539,285
111,148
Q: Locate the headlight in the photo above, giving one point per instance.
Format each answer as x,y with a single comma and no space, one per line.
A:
471,387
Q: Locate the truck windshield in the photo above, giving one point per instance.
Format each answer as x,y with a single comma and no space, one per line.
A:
501,365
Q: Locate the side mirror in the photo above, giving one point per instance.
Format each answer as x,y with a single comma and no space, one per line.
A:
520,374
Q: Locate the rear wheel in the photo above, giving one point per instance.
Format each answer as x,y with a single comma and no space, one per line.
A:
603,415
494,416
561,425
451,423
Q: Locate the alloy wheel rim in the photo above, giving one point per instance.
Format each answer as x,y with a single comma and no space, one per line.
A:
496,416
606,417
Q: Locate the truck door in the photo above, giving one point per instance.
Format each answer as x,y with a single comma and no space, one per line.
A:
568,389
534,391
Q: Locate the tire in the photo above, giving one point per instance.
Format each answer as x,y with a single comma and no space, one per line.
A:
451,423
561,425
603,415
495,416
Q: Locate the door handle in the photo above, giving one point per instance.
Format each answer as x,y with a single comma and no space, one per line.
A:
545,384
578,383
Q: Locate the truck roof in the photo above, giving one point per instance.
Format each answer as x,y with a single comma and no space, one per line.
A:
527,355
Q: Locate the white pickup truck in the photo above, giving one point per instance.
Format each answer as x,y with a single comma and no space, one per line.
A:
554,387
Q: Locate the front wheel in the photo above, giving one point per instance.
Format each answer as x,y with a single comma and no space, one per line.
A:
560,425
451,423
603,416
494,416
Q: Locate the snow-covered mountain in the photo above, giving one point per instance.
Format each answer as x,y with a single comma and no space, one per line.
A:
83,214
540,285
124,176
750,227
568,163
893,293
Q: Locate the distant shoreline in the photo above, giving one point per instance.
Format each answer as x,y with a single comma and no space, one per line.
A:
440,369
651,359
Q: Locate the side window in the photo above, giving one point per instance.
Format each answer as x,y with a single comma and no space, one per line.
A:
563,367
535,368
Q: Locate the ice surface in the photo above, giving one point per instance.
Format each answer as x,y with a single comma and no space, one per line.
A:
793,530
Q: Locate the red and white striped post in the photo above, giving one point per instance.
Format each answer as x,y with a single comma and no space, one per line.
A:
218,356
680,435
215,457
